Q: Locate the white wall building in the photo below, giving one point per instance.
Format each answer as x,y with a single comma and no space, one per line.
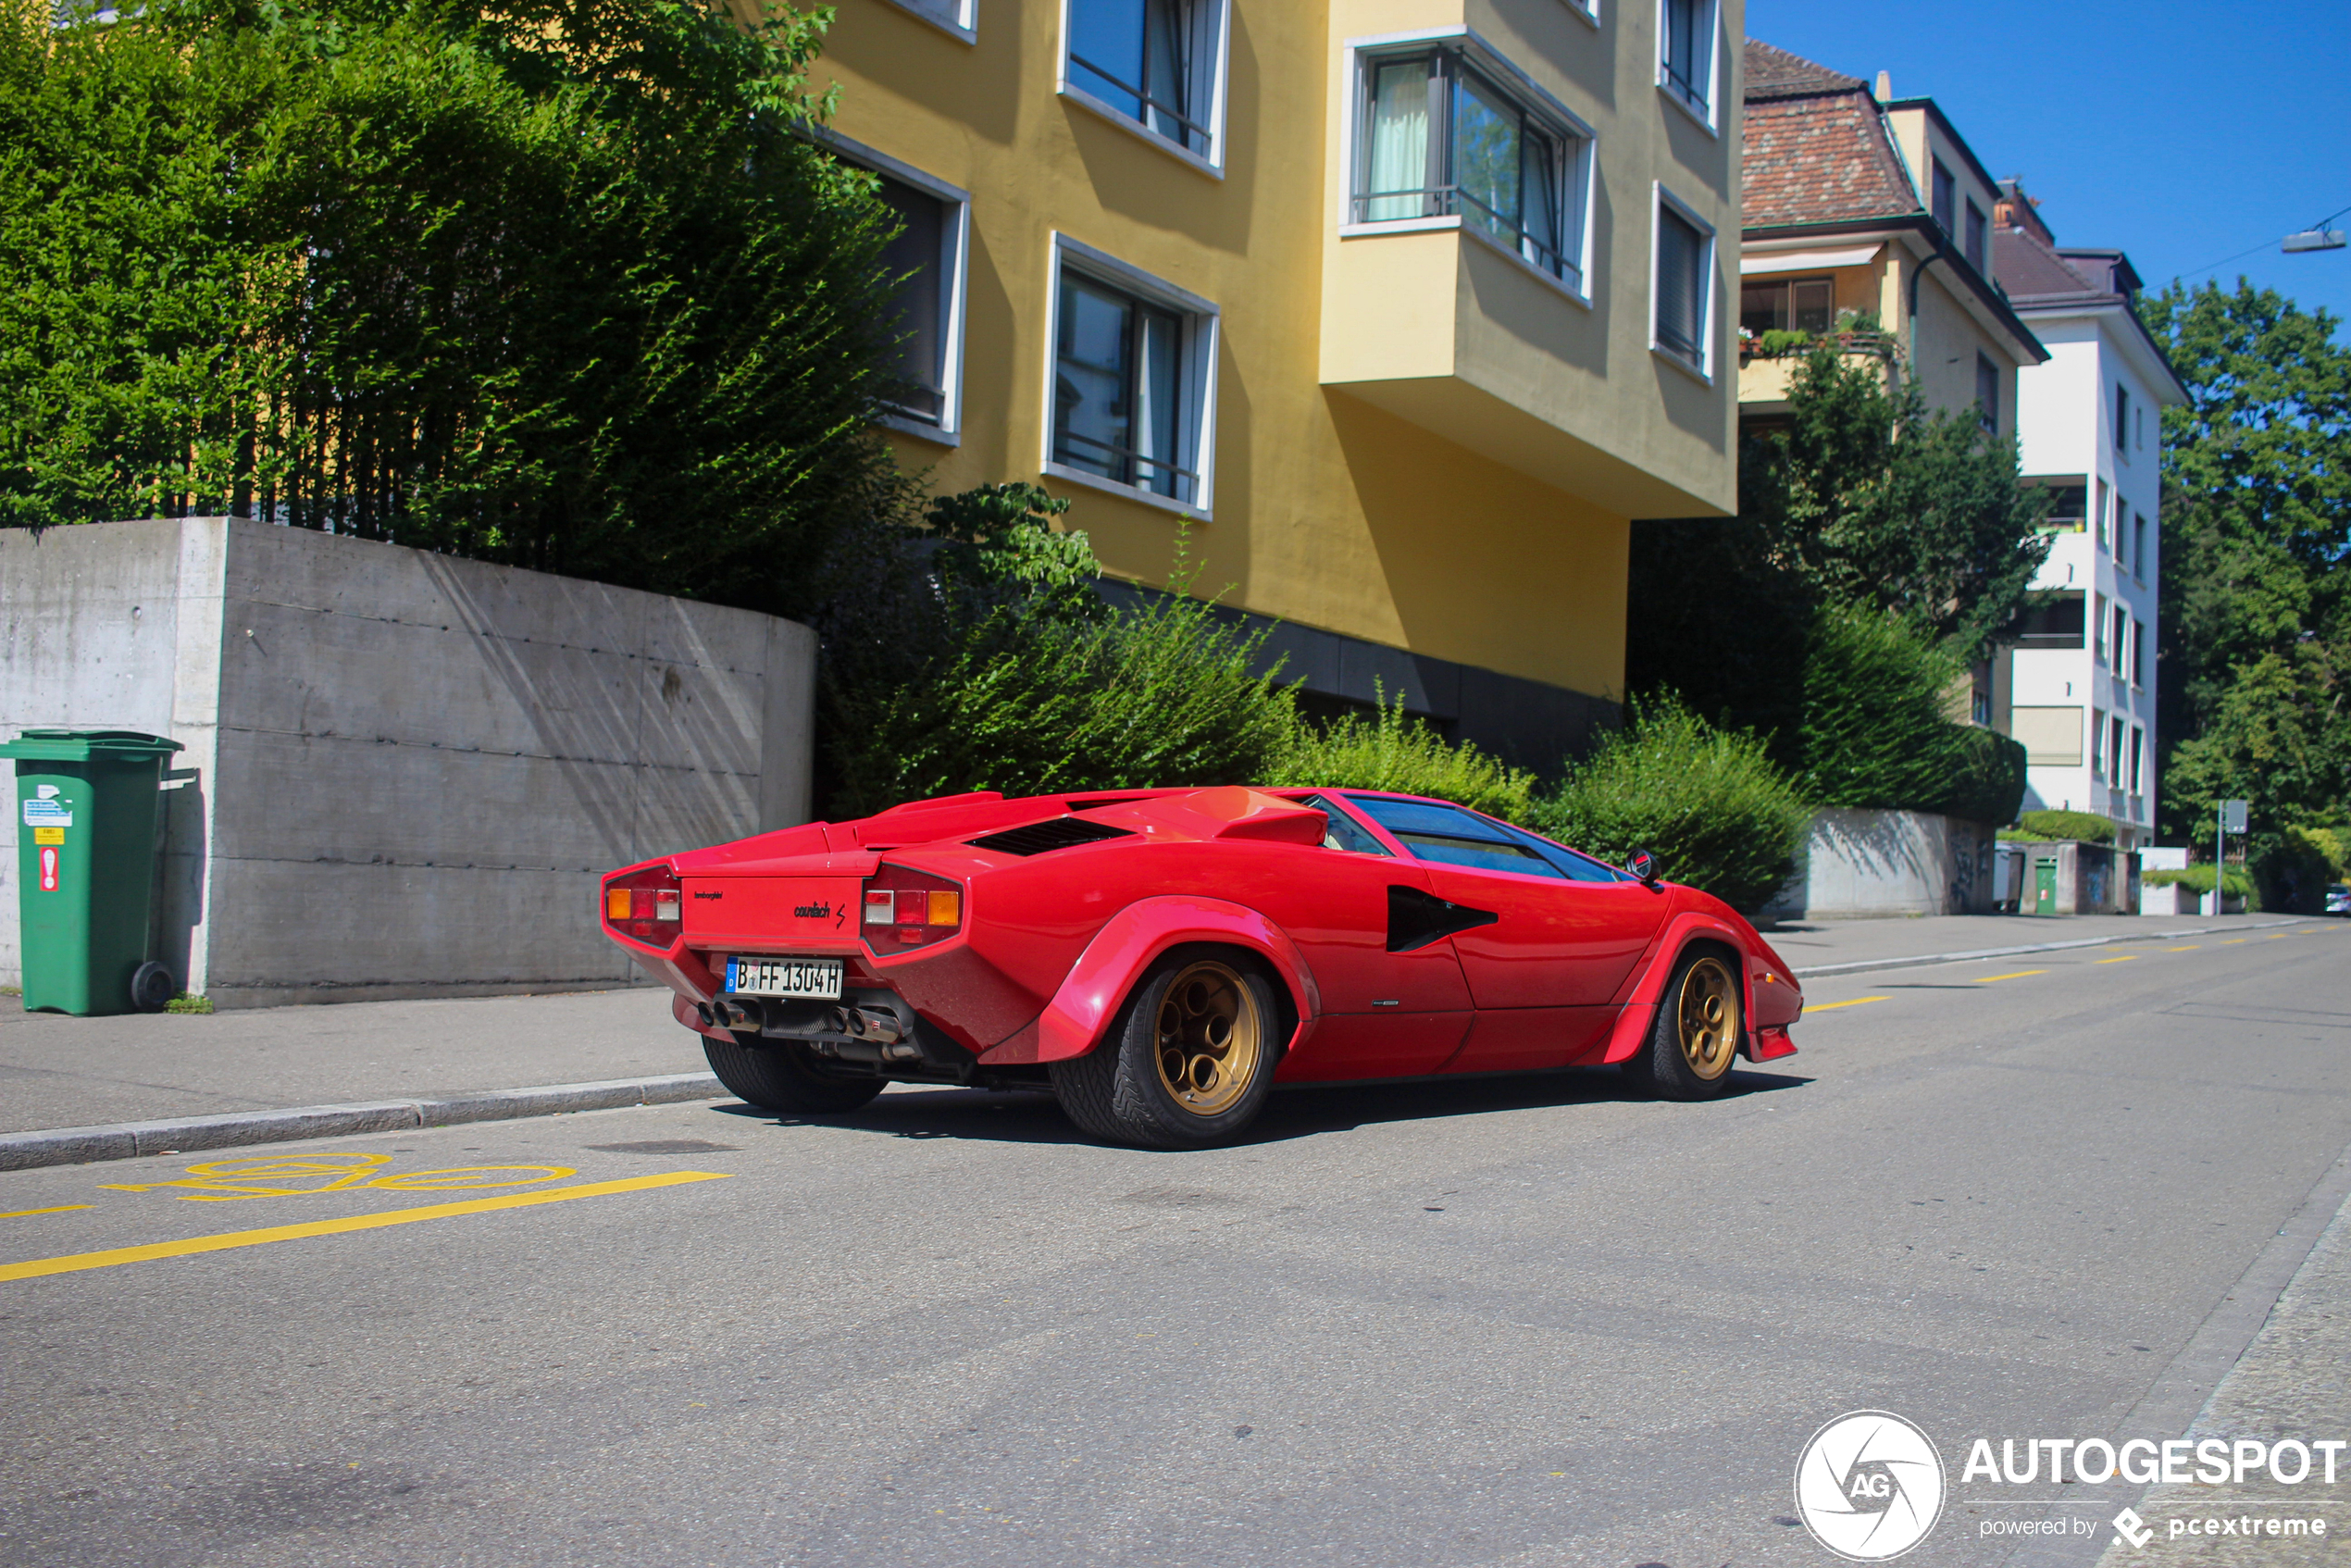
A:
2090,422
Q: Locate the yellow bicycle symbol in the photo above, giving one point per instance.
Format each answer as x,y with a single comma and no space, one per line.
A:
301,1175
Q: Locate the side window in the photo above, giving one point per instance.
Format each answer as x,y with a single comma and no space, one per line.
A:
1452,836
1345,832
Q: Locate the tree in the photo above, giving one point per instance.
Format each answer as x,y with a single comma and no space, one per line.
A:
558,285
2257,518
1869,528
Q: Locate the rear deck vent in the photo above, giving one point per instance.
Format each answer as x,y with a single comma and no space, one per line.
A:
1060,833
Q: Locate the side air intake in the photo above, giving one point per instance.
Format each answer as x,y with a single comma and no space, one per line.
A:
1038,837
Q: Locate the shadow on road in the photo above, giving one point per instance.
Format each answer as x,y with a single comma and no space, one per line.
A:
1305,1111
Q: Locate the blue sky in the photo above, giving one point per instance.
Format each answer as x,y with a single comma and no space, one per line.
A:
2181,133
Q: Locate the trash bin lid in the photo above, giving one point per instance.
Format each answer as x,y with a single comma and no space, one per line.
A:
88,745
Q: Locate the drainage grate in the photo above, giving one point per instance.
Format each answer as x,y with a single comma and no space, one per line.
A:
667,1146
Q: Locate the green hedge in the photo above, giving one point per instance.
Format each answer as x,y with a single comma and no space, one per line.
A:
2086,827
2198,879
1877,732
1388,751
1708,802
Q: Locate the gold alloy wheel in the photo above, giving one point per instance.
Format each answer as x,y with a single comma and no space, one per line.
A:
1710,1018
1210,1036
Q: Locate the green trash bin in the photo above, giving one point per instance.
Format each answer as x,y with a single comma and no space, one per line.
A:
86,807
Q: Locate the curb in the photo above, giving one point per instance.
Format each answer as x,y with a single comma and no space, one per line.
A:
186,1135
1862,966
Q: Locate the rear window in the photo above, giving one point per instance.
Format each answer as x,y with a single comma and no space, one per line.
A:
1456,837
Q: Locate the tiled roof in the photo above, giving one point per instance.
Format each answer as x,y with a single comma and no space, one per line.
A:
1775,73
2031,270
1816,146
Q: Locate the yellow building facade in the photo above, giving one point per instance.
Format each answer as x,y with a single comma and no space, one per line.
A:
1413,308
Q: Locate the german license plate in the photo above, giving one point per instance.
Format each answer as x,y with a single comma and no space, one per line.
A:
818,980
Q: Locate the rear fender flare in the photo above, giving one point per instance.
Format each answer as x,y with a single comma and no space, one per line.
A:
1129,943
1632,1030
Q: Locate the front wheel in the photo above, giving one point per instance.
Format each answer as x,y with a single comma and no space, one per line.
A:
1188,1061
776,1079
1690,1048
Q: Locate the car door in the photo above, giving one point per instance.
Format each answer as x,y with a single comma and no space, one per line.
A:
1565,931
1389,1010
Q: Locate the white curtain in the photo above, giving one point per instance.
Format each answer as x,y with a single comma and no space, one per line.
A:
1399,140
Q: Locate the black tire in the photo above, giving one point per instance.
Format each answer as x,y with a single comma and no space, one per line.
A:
152,987
1124,1090
776,1077
1696,1039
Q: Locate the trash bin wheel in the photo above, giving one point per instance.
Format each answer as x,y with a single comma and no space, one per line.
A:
152,987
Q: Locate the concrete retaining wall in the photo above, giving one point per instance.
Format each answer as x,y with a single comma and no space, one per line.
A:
1861,864
404,772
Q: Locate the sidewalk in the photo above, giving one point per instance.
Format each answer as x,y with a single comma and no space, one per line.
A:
1846,946
373,1063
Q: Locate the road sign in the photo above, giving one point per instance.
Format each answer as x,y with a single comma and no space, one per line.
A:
2232,816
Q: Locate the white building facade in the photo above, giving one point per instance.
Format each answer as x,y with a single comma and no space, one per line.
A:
2081,686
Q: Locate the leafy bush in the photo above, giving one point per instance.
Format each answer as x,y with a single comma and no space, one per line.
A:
1389,751
2291,871
1876,733
1708,802
565,287
2083,826
2198,879
979,656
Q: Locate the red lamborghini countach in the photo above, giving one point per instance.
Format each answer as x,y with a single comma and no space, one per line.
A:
1163,958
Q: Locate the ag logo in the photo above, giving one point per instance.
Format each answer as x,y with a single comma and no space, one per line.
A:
1869,1486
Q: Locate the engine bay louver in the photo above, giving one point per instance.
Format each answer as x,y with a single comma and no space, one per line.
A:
1038,838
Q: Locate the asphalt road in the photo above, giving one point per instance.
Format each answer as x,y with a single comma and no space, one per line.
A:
1507,1322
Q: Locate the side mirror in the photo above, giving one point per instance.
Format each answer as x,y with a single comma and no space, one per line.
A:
1644,866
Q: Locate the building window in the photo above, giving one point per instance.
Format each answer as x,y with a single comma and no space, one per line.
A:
2098,742
2105,541
2097,621
2139,547
1685,54
955,16
1684,292
2138,754
2121,415
927,259
2051,736
2139,427
1132,381
2068,507
2119,645
1973,243
2138,653
1805,304
1987,392
2058,623
1158,63
1440,138
2114,748
1946,196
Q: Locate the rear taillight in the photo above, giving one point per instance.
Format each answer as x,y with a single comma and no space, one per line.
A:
648,905
909,909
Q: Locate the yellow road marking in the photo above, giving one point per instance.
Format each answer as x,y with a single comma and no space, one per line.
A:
2126,958
2190,948
61,1209
1987,979
2278,935
1825,1006
36,1267
2236,941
